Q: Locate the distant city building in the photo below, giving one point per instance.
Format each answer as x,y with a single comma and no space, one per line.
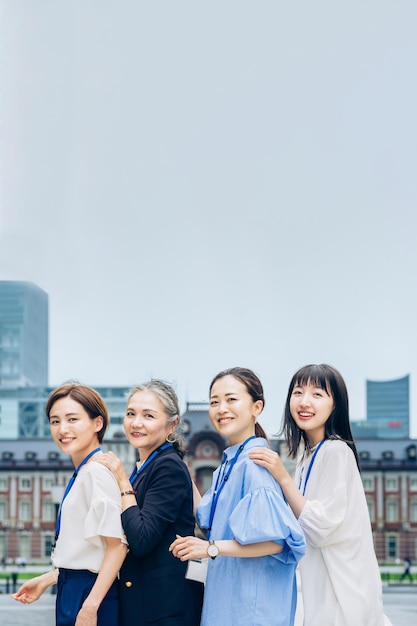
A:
23,335
388,404
387,410
204,445
389,476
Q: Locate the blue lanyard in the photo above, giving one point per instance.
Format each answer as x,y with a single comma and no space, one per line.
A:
222,479
68,489
313,458
138,470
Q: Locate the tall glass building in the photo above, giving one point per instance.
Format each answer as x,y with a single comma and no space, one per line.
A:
388,403
23,335
387,410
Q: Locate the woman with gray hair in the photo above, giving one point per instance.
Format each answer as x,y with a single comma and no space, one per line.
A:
157,505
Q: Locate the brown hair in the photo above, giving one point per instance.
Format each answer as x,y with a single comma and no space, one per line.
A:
89,399
253,387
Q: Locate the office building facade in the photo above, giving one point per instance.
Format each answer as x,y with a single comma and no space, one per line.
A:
23,335
387,410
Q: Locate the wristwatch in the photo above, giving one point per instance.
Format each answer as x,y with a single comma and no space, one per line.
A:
212,549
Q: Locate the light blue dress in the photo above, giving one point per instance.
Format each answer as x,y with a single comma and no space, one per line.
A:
257,591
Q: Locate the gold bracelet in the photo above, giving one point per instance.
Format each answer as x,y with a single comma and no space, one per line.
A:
128,492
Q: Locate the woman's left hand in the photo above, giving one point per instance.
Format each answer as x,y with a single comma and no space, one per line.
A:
186,548
114,464
86,617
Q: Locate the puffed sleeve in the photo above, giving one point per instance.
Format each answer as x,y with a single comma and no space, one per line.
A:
104,515
323,514
263,515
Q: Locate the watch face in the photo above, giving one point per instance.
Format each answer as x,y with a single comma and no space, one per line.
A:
212,550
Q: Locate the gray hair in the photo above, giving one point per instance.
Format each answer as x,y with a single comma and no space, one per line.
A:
169,400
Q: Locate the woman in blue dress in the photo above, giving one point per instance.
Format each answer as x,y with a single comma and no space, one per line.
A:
253,540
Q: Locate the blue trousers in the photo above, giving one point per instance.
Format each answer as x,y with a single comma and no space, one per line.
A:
73,588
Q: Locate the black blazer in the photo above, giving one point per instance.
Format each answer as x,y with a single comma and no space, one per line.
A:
153,587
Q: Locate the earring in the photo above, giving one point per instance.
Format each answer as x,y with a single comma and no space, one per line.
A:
171,438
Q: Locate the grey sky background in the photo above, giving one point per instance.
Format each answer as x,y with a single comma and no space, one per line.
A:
203,185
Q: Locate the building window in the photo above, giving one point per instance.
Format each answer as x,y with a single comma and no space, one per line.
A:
48,511
368,483
47,545
207,450
24,545
29,420
25,484
371,509
24,511
392,510
392,546
204,478
3,510
3,545
413,510
391,483
48,483
4,483
413,484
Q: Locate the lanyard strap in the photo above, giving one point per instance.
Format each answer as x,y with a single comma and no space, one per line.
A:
222,479
313,458
68,489
138,470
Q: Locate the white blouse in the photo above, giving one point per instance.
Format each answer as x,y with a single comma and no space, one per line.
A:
340,579
90,512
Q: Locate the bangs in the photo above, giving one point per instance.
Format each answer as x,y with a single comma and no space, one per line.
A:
314,375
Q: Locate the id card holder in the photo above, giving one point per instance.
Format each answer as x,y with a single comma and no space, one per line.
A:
197,570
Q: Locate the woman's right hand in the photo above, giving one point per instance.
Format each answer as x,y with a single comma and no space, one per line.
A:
32,589
114,464
271,461
186,548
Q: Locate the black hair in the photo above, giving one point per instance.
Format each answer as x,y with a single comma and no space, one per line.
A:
253,387
337,426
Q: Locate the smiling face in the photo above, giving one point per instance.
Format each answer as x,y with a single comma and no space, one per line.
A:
232,410
310,408
72,429
146,423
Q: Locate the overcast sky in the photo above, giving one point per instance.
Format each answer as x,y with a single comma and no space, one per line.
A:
199,185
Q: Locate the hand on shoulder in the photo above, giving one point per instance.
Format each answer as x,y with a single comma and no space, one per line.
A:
270,460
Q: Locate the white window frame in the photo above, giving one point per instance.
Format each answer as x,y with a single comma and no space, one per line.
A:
391,478
368,483
392,510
